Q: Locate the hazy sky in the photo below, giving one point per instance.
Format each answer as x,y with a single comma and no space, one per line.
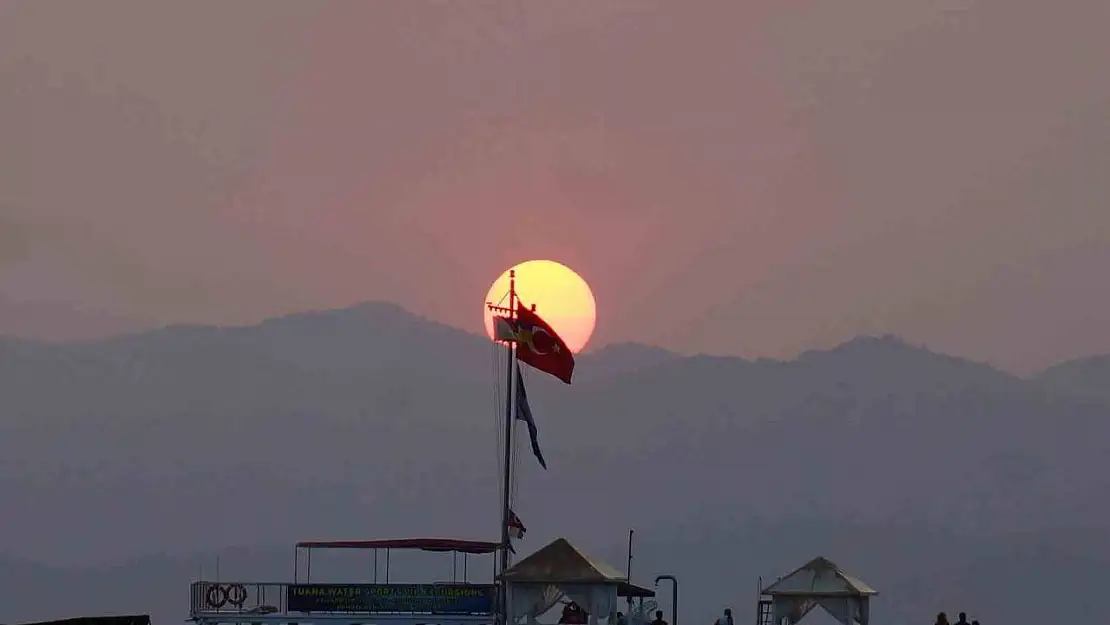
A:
750,178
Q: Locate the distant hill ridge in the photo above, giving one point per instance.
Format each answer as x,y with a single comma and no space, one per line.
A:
386,316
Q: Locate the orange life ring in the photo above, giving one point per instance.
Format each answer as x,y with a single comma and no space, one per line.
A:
236,595
216,596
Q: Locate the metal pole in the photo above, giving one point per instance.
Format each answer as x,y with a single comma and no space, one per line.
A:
628,569
508,457
674,596
759,602
506,472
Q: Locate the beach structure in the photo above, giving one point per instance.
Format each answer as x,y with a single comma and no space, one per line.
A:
818,583
561,573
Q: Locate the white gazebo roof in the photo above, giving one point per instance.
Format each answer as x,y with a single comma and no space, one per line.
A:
819,578
562,562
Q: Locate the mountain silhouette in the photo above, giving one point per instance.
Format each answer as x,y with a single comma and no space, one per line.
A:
1083,377
128,463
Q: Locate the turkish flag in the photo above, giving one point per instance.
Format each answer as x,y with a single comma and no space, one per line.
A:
538,345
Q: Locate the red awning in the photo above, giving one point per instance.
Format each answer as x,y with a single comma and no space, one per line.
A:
423,544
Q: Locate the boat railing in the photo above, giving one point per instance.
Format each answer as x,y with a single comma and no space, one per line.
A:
452,603
237,598
463,601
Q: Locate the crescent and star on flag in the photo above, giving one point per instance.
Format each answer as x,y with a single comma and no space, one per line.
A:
538,344
527,337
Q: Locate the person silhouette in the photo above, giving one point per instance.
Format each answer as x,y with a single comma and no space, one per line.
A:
659,618
573,614
963,619
942,619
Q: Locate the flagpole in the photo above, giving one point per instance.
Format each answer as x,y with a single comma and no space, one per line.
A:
507,469
506,475
511,401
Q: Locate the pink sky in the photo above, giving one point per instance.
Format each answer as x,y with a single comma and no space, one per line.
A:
751,178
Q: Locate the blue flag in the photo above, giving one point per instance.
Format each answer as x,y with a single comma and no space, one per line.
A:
524,413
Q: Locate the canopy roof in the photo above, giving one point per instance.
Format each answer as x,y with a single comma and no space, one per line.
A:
625,589
562,563
422,544
819,578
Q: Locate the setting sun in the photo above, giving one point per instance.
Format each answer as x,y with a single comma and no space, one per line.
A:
561,297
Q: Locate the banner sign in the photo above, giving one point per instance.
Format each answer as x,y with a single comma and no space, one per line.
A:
433,598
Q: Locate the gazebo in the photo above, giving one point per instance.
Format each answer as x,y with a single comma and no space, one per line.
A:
818,583
540,581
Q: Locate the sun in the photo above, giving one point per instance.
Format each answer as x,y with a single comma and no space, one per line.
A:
561,297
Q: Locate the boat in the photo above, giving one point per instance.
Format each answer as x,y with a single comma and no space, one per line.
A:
380,600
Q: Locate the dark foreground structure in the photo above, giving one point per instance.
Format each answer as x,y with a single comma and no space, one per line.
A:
138,619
